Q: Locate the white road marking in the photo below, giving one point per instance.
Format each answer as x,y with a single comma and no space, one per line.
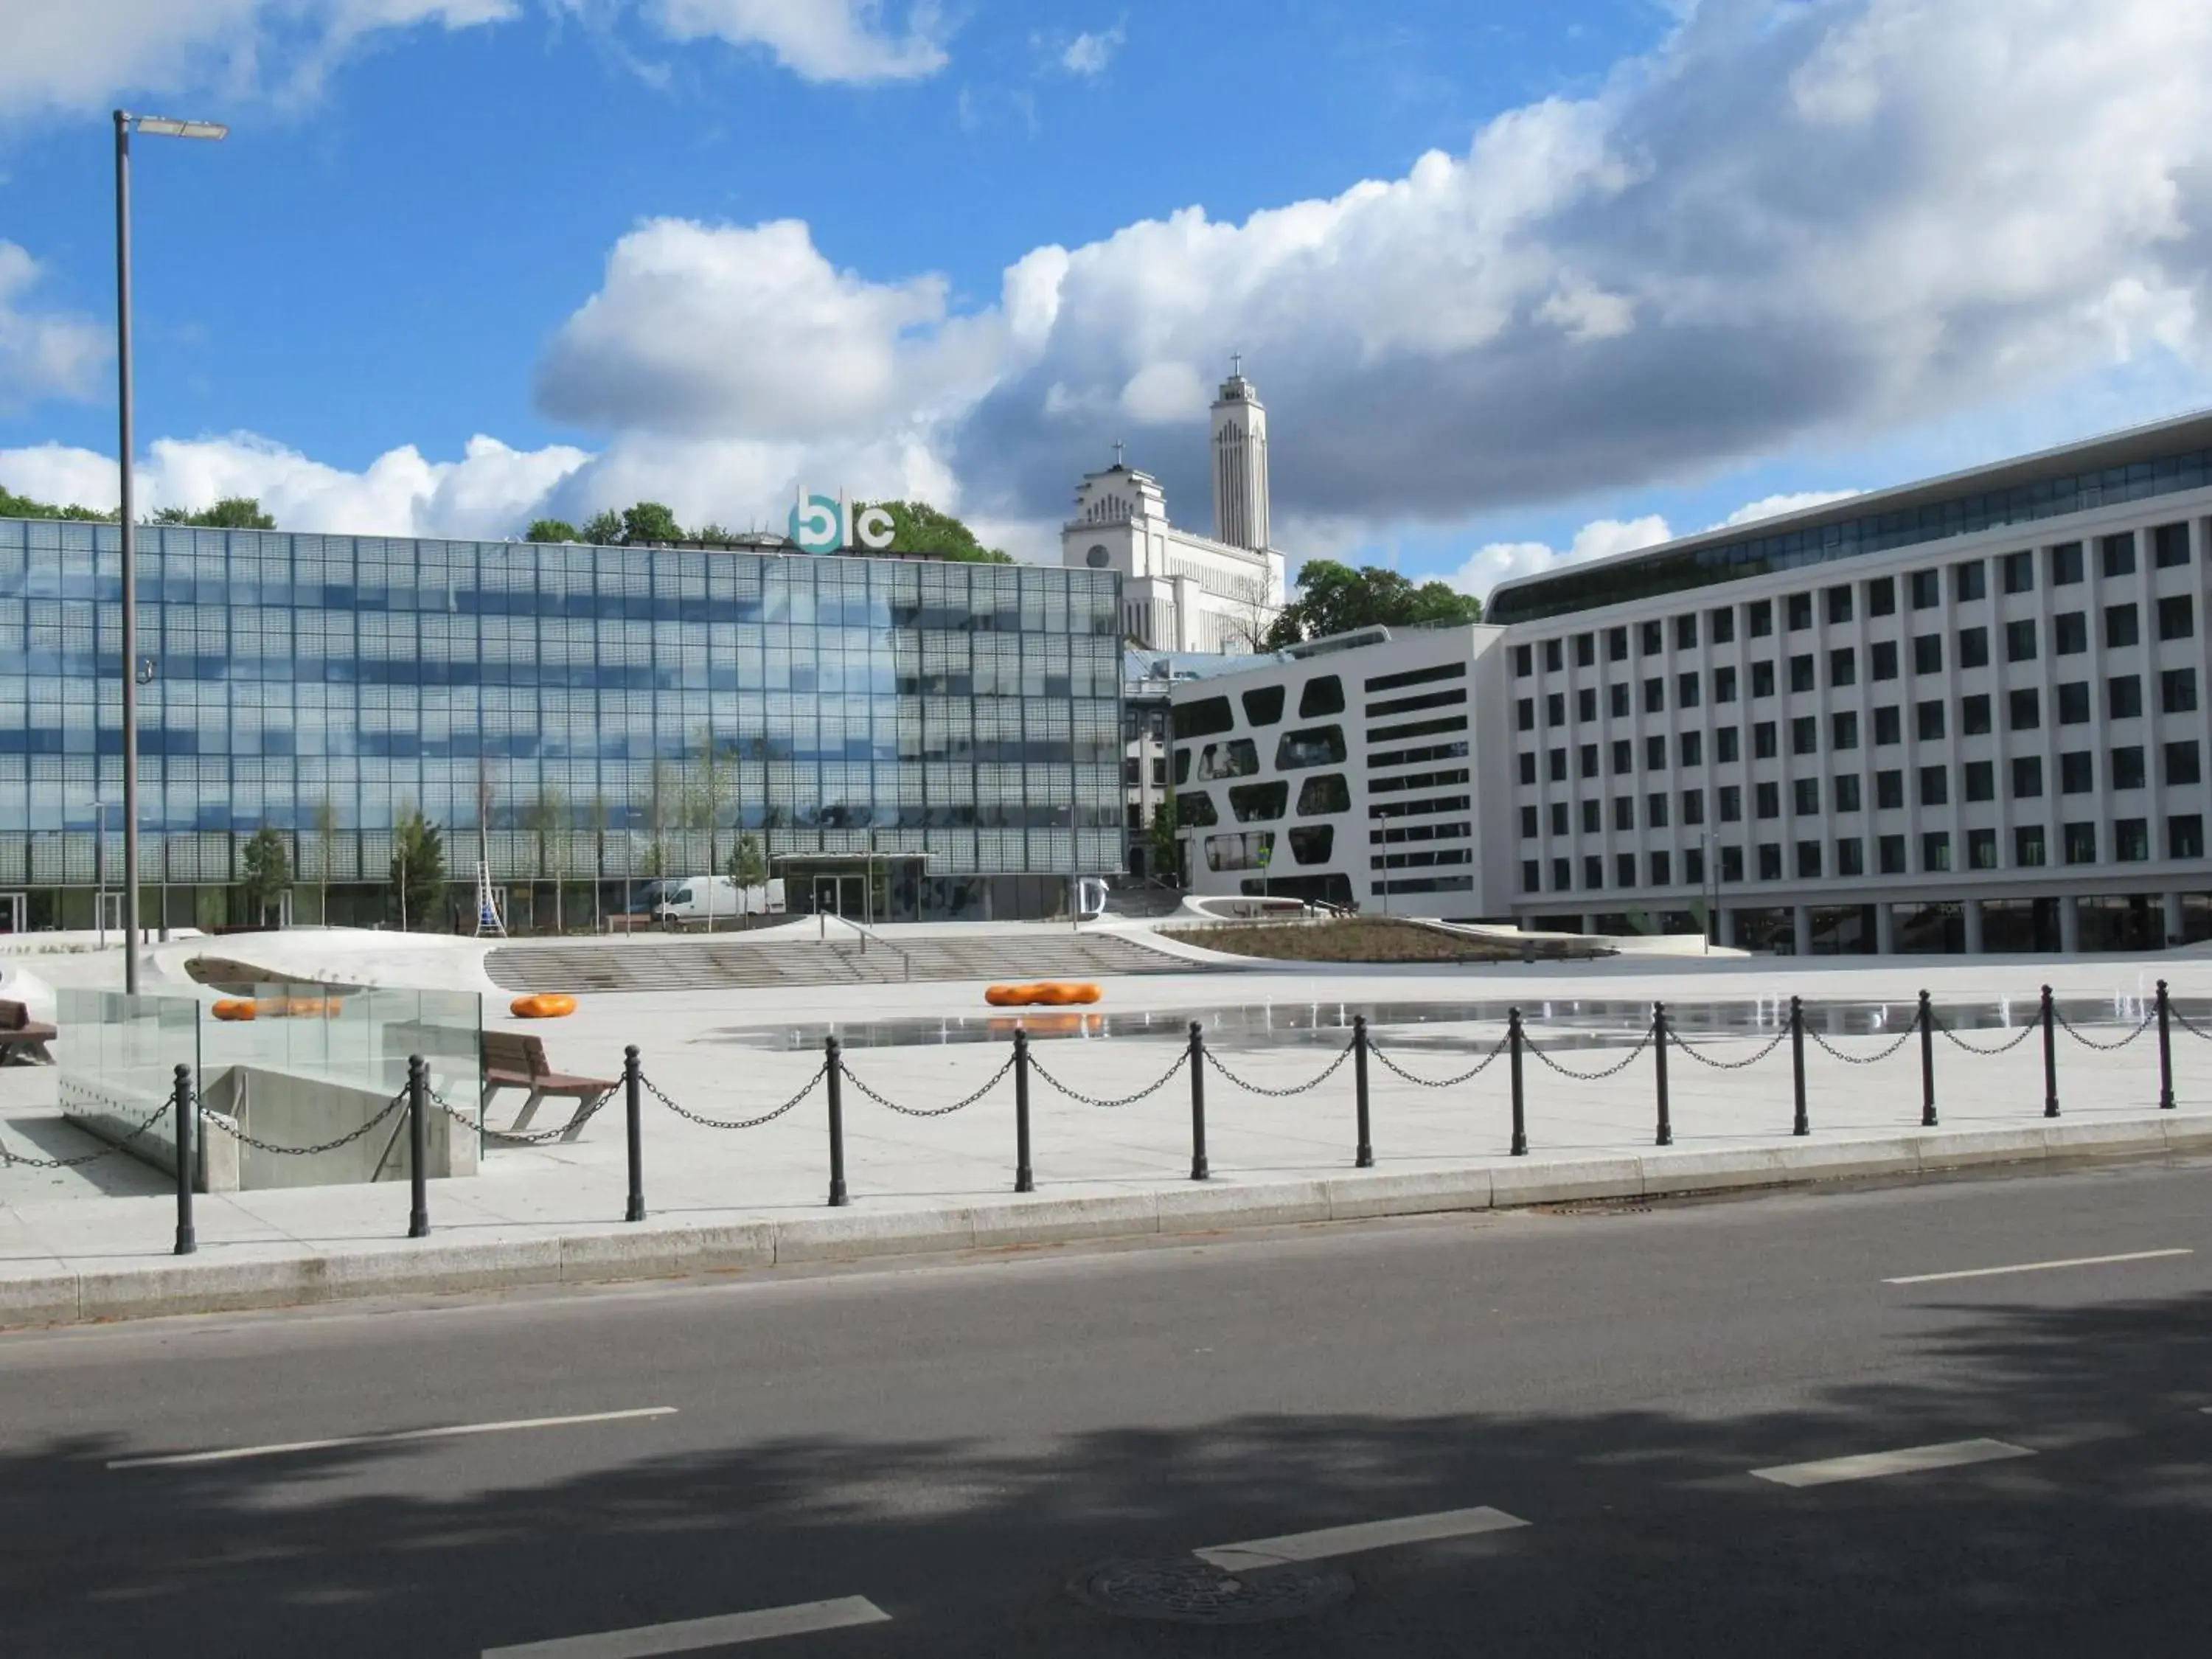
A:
1909,1459
2038,1266
1258,1552
692,1634
234,1454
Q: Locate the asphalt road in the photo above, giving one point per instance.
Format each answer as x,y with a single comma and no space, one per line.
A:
957,1444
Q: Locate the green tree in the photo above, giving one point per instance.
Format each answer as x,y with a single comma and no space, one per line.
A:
231,513
918,527
547,816
602,530
418,868
712,532
22,506
649,521
551,530
748,868
1166,865
268,872
326,836
1334,598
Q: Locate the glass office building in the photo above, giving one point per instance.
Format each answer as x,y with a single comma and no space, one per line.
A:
574,715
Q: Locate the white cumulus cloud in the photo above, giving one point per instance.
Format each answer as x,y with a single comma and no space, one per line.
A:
840,40
1091,52
42,354
1774,506
1598,539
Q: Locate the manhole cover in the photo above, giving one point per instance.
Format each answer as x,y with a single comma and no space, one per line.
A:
1189,1591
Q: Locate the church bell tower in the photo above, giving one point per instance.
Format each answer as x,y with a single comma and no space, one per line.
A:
1240,463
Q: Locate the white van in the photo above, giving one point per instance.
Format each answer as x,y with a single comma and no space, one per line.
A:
698,900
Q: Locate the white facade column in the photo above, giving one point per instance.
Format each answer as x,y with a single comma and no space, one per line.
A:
2172,918
1800,929
1885,929
1971,910
2070,924
1589,923
1727,914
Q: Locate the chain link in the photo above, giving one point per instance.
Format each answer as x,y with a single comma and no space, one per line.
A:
18,1161
1082,1099
2019,1037
2188,1024
1642,1043
745,1123
1903,1037
1733,1065
271,1146
931,1111
2105,1047
1327,1073
1468,1076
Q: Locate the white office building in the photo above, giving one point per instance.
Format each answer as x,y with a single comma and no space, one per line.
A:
1181,592
1962,715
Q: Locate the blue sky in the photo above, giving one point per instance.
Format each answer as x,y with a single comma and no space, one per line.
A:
1519,282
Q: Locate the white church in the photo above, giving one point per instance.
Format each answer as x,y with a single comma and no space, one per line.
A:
1182,592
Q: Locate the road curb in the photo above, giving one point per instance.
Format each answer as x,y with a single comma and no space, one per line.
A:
33,1297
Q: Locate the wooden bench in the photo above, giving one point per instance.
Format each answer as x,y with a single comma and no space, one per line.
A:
20,1032
511,1061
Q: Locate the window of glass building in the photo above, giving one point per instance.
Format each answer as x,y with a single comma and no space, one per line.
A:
1981,849
1263,706
2074,704
1331,793
1655,696
1524,661
1685,690
2184,835
1728,741
1616,644
1805,735
1881,596
2076,772
1927,653
1650,640
1624,756
1692,748
2066,564
1724,685
1654,811
1850,857
2081,843
1730,803
1562,875
1321,698
1890,853
1762,678
2023,709
1616,700
1970,582
1662,869
1593,818
1624,868
1935,785
1800,610
2027,848
1927,589
2123,698
1847,791
1555,658
1765,741
1259,803
1312,843
1770,861
1558,817
1732,864
1935,851
1203,718
2127,763
1808,861
1800,673
1585,650
2170,545
1655,753
2118,554
1530,870
1693,806
1928,720
2177,690
1593,873
1555,709
1195,810
1527,766
2122,627
1524,714
1973,647
1805,797
1843,666
1758,618
1723,624
2070,633
1980,777
1889,791
1974,714
2027,777
1839,605
2183,760
1685,631
1888,725
1882,659
2019,572
1237,758
1623,812
2019,641
1844,729
2177,617
1321,746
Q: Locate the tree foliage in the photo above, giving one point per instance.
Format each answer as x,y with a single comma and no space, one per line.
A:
1167,860
1334,598
418,869
551,530
231,513
748,866
918,527
268,871
22,506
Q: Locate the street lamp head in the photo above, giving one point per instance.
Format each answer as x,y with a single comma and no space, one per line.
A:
168,127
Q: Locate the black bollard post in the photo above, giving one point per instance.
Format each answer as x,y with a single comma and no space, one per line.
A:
1363,1155
2050,1056
2165,1055
835,1070
1804,1126
1198,1170
1513,1062
1025,1178
180,1103
1927,1063
633,1108
418,1102
1659,1049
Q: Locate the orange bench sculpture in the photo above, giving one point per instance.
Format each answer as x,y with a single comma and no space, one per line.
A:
1049,994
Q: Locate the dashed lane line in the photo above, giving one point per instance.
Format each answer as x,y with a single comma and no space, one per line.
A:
2038,1266
1909,1459
691,1634
236,1454
1259,1553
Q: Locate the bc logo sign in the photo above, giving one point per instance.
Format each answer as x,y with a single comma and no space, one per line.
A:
824,524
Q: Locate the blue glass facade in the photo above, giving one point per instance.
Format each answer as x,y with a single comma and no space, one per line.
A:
615,711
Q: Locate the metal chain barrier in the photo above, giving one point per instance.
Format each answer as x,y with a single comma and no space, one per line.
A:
2019,1037
2187,1024
19,1161
1249,1087
930,1111
1642,1043
745,1123
1082,1099
1731,1065
1468,1076
396,1103
522,1137
1903,1037
2066,1026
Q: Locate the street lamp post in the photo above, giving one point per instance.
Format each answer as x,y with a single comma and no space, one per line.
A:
163,127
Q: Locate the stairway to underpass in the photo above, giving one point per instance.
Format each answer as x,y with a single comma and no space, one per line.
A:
703,963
